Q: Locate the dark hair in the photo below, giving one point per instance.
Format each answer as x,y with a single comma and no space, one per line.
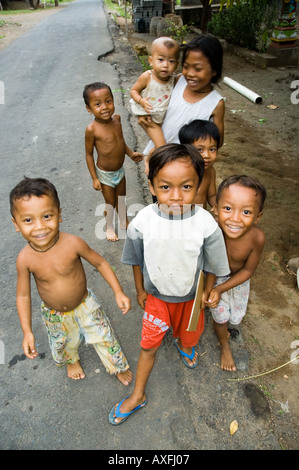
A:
33,187
170,152
211,47
199,129
247,182
93,87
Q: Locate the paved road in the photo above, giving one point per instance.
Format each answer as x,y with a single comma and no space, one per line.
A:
42,134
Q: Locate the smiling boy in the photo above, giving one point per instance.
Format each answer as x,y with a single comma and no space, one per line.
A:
105,135
240,202
69,308
168,244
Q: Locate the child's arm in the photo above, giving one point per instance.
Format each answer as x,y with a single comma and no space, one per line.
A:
218,119
89,146
136,90
140,292
24,308
106,271
135,156
209,284
211,193
243,274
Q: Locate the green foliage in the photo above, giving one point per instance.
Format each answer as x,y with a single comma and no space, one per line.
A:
247,24
179,33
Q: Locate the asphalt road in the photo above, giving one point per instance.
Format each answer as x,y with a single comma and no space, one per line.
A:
42,134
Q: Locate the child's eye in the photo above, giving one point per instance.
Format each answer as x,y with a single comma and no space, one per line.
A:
187,186
226,208
27,220
47,216
165,186
246,212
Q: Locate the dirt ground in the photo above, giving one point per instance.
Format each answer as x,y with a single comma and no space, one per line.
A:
261,141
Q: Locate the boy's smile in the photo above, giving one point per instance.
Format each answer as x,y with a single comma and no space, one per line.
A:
175,186
238,209
101,105
37,218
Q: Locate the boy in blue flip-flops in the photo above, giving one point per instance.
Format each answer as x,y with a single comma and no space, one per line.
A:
168,244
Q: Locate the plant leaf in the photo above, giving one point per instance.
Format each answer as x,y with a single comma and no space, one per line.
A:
233,427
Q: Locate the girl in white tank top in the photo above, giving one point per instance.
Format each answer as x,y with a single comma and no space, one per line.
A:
193,96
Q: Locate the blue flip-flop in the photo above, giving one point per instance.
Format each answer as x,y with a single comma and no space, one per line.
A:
125,416
189,356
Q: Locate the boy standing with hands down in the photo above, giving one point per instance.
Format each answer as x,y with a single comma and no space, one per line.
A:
168,244
106,136
69,309
239,207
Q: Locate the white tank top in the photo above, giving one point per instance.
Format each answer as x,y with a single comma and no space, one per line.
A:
159,96
181,112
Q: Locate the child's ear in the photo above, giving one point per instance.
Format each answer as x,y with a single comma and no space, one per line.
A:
215,210
88,109
15,224
60,218
151,187
150,60
259,216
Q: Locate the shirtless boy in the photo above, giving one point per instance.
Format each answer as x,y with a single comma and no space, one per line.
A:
204,135
68,307
239,206
106,136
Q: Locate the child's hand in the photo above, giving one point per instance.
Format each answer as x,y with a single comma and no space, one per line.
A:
137,157
123,302
145,122
213,299
97,185
148,108
29,346
141,299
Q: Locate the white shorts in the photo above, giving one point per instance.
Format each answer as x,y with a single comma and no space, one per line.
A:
110,178
233,303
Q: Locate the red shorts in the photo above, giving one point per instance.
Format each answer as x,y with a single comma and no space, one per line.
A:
159,316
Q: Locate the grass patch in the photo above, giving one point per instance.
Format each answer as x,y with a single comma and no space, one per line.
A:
115,7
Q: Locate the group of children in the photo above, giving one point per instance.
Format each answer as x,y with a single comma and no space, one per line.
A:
168,243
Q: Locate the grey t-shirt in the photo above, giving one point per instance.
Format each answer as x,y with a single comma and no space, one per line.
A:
171,251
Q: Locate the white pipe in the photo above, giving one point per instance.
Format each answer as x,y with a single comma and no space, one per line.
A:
242,90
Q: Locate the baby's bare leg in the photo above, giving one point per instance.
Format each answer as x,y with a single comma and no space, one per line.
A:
155,133
222,333
109,194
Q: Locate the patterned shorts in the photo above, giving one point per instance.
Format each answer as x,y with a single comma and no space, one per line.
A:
88,320
233,303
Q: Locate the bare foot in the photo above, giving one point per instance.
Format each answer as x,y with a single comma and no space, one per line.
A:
227,361
111,235
75,371
125,377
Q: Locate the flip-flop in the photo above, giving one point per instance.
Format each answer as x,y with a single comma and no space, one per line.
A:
125,416
189,356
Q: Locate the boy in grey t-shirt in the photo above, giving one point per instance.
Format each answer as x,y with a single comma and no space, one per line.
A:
168,244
